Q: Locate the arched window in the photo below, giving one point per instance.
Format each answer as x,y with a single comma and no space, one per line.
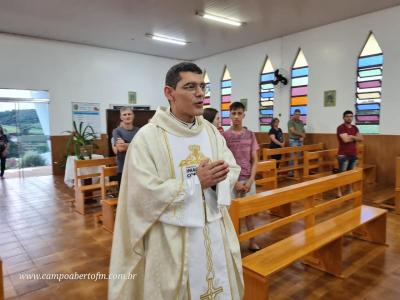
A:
207,95
369,86
226,92
266,96
299,90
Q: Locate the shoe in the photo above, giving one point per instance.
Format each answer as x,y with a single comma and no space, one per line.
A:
254,249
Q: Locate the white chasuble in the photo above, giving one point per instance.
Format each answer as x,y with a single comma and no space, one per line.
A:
207,266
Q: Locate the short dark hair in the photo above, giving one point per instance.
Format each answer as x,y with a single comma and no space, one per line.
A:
274,120
347,112
125,108
236,105
209,114
297,111
173,77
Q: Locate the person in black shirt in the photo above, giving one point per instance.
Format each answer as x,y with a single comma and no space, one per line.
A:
3,152
277,139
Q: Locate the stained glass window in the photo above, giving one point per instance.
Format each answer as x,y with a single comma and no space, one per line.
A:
226,92
207,95
369,86
299,90
266,96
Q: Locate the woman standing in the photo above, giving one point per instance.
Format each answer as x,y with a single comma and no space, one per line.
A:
3,151
277,139
212,116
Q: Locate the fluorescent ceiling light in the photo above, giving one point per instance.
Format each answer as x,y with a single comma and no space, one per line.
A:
166,39
220,19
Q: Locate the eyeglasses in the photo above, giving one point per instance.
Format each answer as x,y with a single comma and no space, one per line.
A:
192,87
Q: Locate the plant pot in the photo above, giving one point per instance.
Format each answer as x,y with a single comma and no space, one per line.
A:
86,151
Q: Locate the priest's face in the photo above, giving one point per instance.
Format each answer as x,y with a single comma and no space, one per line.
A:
186,99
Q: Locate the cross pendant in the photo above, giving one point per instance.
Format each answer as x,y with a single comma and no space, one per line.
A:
211,291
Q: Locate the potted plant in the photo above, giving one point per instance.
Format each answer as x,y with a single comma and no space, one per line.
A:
82,138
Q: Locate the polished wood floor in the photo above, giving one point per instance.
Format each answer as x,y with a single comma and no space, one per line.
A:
29,172
40,233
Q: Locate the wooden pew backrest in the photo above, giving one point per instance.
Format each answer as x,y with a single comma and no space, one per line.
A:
320,161
84,187
109,197
304,192
267,153
266,170
106,173
107,161
325,160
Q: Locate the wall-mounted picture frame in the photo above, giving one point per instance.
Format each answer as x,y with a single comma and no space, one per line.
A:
330,98
132,97
244,102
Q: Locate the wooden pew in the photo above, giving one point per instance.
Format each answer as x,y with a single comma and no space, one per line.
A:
319,244
322,163
260,150
268,180
387,196
286,153
319,163
397,187
369,169
109,197
84,186
267,175
1,281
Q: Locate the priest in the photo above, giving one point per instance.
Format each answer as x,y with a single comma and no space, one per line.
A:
173,237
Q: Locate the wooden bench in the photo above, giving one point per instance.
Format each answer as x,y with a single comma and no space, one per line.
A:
318,244
109,197
287,153
320,163
369,169
260,150
267,179
84,186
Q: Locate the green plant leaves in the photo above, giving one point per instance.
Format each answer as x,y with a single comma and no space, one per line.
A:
80,136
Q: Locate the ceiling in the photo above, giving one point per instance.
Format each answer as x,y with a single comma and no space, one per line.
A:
122,24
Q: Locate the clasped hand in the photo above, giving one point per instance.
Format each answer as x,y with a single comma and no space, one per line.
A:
211,173
243,188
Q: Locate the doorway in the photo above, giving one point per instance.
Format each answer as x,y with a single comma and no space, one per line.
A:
24,116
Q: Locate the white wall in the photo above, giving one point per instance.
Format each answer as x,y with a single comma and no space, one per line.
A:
80,73
332,53
77,73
